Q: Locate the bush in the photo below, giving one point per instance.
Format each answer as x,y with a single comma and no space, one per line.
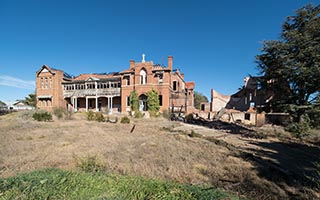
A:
90,115
42,116
299,129
154,114
134,101
138,114
153,102
314,116
125,120
58,112
99,117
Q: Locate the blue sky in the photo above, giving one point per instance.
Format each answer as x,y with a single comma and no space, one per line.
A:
213,42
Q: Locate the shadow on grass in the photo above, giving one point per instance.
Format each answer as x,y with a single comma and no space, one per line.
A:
287,164
231,128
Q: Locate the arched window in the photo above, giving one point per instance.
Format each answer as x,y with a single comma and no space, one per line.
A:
143,77
42,84
50,83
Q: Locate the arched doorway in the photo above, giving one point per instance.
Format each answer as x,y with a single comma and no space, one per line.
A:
143,103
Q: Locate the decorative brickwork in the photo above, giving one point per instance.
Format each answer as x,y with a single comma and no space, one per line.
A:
110,92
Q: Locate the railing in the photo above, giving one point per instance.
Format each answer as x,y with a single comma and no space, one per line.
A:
92,92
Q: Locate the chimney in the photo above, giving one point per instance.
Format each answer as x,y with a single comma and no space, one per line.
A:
131,64
170,62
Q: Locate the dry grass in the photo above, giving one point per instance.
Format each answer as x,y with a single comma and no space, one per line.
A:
157,148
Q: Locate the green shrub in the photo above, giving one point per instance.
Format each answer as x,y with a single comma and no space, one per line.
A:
154,114
138,114
299,129
134,101
125,120
42,116
90,115
99,117
58,112
314,115
153,101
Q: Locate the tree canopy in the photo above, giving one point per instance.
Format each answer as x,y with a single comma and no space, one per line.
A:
198,98
290,66
31,100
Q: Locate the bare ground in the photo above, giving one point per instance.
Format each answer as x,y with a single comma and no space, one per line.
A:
157,148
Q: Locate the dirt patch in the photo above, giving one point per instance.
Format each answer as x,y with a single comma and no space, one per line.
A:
159,148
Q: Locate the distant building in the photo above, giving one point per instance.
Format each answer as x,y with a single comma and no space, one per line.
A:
17,105
21,105
110,91
3,106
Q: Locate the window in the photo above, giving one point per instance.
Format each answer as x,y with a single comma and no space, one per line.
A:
42,84
46,86
202,107
160,76
143,77
127,79
128,100
160,100
50,83
174,85
247,116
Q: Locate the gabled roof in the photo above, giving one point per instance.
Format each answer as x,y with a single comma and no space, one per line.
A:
47,68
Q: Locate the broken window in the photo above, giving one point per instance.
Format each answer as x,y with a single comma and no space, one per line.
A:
127,79
160,78
174,85
160,100
202,107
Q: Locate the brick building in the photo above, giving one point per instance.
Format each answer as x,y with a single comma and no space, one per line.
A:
110,92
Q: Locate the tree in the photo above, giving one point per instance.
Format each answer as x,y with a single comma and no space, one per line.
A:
31,100
198,98
290,66
153,101
134,101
